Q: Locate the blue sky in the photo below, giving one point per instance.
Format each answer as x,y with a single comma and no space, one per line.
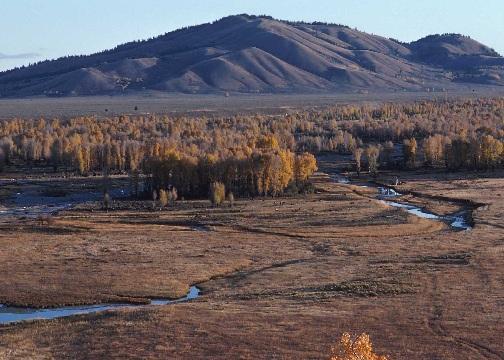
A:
32,30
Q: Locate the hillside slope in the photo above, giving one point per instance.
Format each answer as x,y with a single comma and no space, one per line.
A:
250,54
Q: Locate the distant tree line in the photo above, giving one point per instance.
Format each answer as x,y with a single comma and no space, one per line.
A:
452,134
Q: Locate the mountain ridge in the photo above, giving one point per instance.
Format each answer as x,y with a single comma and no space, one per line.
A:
259,54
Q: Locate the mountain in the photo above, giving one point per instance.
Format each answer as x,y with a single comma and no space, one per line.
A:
258,54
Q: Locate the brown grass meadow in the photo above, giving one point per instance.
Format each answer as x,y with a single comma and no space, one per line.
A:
280,278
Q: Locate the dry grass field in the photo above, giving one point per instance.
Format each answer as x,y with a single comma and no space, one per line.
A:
162,103
280,278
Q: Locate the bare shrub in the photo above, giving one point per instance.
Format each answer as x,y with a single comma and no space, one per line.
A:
154,198
2,159
231,199
174,195
106,201
410,152
357,156
372,154
45,219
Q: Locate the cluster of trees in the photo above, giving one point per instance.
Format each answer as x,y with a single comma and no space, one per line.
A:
481,152
265,170
249,155
477,152
455,135
397,122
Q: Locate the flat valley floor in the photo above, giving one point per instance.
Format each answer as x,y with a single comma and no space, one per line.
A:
209,105
280,278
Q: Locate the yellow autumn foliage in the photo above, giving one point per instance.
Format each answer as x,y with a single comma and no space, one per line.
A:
268,142
304,167
358,349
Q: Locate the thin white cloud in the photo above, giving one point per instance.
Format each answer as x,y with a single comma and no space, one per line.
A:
21,56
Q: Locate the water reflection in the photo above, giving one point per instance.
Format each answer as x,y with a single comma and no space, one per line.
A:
9,314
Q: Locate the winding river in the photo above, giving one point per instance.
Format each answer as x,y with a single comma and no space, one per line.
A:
458,221
9,314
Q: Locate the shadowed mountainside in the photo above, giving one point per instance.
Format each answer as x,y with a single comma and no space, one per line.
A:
251,54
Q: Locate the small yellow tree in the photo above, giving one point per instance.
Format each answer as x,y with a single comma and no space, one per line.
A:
304,167
217,193
80,161
163,198
286,172
360,349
